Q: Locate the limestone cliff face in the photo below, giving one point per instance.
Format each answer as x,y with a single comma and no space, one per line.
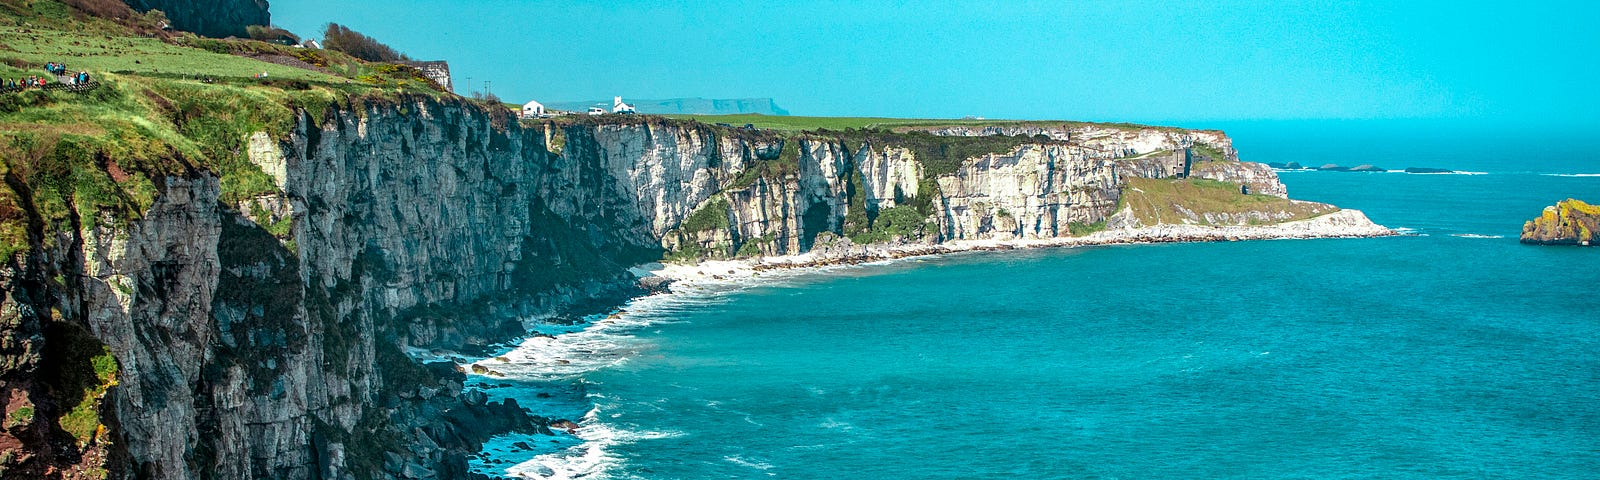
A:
1258,178
890,176
1568,222
1034,192
418,225
433,225
834,188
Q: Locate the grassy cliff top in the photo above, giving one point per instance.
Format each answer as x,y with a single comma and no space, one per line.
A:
1190,201
34,32
167,103
794,123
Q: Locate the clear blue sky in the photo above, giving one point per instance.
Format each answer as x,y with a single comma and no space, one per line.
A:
1500,62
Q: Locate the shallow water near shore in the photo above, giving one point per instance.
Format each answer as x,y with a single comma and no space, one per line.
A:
1455,352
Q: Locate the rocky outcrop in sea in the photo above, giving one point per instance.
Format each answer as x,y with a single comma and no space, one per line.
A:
1568,222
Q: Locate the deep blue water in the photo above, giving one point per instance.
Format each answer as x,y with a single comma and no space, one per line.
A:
1425,356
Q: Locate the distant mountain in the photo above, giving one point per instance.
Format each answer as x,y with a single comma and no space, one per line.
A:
698,106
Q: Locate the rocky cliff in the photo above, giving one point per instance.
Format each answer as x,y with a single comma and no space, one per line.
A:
276,335
217,18
1568,222
240,353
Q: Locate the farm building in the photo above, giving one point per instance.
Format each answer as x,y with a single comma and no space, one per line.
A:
533,109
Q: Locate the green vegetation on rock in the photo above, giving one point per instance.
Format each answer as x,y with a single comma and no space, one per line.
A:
712,215
1568,222
939,155
20,416
1079,229
900,222
1209,152
753,247
78,370
773,170
710,218
1191,201
83,421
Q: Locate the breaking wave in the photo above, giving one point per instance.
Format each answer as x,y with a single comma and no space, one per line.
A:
545,374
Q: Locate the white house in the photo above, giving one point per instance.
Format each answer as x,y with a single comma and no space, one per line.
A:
618,107
533,109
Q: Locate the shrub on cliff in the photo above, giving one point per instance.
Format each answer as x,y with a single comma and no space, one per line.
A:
338,37
272,34
113,9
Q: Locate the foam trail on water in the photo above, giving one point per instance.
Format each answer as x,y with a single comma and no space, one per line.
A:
1579,175
545,374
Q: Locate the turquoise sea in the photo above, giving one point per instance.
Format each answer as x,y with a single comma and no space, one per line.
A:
1453,352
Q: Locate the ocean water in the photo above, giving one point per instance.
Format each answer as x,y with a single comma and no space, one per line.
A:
1453,352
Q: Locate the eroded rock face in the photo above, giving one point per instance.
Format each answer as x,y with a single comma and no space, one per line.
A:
147,295
1568,222
1258,178
891,176
1034,192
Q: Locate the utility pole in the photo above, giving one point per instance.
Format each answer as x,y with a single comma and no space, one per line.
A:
486,93
469,86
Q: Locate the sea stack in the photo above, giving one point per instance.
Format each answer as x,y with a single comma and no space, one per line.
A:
1568,222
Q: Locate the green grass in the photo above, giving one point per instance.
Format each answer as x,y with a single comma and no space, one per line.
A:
712,215
797,124
1079,229
20,416
83,421
100,151
97,152
108,53
1212,153
1160,201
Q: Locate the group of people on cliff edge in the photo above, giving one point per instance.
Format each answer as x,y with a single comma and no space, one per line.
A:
59,70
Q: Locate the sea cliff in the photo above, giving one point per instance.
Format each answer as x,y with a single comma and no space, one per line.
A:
274,332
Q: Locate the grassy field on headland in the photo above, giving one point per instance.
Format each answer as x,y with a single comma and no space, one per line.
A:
796,123
167,102
1185,201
